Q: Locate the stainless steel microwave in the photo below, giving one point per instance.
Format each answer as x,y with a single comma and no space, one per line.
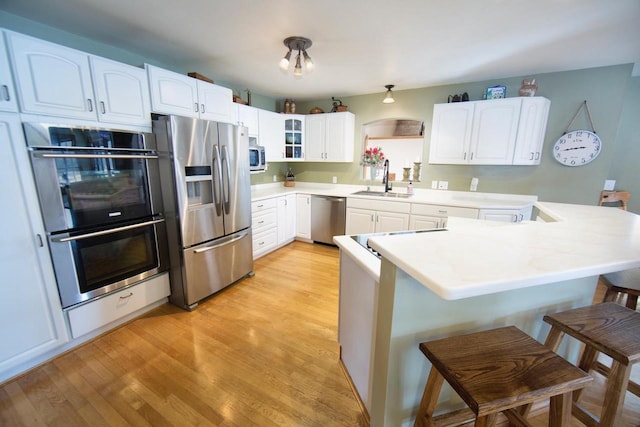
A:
257,158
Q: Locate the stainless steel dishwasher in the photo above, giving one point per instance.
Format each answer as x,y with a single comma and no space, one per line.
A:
327,218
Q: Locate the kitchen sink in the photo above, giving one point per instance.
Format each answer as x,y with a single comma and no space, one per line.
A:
381,194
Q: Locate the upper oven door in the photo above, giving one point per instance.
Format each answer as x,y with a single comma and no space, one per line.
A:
88,177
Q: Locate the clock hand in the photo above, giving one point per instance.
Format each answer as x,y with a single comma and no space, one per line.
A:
574,148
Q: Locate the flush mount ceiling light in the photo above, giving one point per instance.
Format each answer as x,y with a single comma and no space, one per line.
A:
388,99
301,44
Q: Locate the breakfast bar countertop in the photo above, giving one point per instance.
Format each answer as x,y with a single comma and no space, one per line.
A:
477,257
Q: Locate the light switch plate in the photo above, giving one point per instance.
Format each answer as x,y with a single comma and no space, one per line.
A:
434,185
474,184
609,184
443,185
335,180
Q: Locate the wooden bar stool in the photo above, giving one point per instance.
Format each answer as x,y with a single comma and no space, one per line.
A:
613,330
622,283
501,370
619,198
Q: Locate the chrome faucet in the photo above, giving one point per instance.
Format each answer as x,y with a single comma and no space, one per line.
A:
385,177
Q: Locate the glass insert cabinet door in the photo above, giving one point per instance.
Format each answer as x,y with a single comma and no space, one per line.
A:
294,137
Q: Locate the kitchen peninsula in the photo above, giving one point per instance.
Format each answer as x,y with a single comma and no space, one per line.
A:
477,275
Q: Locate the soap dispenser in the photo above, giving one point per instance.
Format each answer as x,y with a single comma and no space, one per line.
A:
410,188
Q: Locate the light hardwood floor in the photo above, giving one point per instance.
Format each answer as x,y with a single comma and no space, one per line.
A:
261,353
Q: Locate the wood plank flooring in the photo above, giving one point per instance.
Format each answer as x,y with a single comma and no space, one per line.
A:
261,353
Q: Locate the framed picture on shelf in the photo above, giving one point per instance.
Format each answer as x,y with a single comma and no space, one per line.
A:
496,92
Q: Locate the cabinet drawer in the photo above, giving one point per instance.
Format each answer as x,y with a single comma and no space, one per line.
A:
103,311
261,205
378,205
264,241
263,220
443,210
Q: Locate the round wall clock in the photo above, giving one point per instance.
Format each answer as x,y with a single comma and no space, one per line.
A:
577,148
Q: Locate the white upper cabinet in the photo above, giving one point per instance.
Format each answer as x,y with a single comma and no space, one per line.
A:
492,132
271,129
330,137
54,80
247,115
451,132
294,137
531,130
122,92
173,93
7,92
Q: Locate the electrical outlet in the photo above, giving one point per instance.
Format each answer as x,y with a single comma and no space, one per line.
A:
443,185
609,184
335,180
474,184
275,178
434,185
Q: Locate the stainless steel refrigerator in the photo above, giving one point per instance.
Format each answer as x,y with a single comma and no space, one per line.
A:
204,174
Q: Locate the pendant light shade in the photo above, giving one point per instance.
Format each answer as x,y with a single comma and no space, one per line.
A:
301,44
388,99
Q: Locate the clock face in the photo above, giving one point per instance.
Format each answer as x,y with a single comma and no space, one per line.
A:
577,148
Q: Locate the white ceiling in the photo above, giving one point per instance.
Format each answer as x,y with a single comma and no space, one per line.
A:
358,45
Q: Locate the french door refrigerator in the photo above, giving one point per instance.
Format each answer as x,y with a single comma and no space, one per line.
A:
204,174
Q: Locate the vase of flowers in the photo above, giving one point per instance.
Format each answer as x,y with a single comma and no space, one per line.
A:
373,158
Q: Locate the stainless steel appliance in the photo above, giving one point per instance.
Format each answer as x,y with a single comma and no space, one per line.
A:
328,215
204,168
257,158
101,202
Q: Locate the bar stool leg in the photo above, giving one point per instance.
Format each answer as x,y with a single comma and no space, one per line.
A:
560,410
586,363
486,421
617,383
427,407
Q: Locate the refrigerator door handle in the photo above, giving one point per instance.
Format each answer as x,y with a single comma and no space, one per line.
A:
226,186
219,245
217,176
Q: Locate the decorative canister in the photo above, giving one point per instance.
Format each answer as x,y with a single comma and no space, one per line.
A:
528,87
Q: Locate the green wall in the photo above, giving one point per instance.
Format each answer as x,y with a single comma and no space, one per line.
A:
607,90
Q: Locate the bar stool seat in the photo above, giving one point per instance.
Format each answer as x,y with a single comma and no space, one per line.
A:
625,282
611,329
500,370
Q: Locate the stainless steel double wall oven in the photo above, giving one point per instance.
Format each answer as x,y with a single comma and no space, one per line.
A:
101,203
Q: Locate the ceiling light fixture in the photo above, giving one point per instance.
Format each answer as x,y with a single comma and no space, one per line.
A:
388,99
301,44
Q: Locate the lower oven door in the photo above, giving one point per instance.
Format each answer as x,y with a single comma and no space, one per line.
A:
90,264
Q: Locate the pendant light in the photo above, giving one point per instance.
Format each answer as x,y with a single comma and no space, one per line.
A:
301,44
388,99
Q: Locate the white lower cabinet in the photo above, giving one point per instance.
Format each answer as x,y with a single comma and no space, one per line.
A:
376,216
286,218
264,224
506,215
116,306
31,318
303,216
423,222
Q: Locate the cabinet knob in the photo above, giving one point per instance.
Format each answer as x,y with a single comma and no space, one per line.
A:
537,155
126,296
90,104
103,108
5,92
195,107
202,108
532,156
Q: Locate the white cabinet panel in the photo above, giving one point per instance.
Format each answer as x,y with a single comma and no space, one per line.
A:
271,130
531,131
315,135
31,319
7,91
174,93
329,137
360,221
506,215
122,92
303,216
216,102
494,131
248,116
422,222
451,132
51,80
286,218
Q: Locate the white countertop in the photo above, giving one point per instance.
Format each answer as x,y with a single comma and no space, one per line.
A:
475,257
425,196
